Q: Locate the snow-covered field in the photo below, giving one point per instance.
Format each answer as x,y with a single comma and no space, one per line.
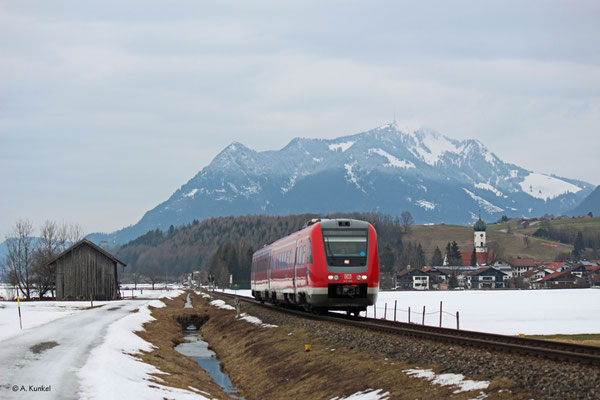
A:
508,312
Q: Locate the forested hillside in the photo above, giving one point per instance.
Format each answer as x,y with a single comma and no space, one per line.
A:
225,245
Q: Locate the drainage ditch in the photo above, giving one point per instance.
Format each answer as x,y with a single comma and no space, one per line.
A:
197,349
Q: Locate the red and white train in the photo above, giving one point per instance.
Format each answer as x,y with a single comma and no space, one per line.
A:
331,264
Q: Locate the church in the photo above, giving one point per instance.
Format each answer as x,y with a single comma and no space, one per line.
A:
482,256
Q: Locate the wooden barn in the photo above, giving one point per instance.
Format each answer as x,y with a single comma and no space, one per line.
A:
85,271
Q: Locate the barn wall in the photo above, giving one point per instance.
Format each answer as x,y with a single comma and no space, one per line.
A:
84,273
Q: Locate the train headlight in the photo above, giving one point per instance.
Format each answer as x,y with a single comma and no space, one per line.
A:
336,277
330,277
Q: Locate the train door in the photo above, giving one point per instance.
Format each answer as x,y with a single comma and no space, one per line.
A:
296,252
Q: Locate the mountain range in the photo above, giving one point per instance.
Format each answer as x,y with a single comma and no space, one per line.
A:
389,169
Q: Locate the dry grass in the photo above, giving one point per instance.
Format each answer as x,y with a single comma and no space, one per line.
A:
271,363
512,245
587,339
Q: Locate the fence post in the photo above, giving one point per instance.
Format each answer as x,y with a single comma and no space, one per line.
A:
457,323
385,311
440,314
375,311
395,306
423,315
409,315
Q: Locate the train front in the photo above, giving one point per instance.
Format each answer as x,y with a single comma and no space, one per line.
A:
345,263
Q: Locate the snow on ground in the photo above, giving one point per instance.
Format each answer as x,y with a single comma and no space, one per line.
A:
369,394
546,187
458,380
221,304
508,312
256,321
392,161
427,205
483,203
36,313
340,146
84,354
487,186
113,371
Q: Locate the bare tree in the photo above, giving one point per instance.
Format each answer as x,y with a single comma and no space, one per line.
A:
74,232
407,220
18,264
152,272
52,241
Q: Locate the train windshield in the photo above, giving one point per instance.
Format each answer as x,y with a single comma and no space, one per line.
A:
346,248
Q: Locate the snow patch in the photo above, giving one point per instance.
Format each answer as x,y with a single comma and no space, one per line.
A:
426,204
369,394
434,147
289,185
483,203
221,304
192,193
340,146
350,177
256,321
489,187
457,380
546,187
392,161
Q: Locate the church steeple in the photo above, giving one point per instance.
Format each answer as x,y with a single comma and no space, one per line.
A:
480,236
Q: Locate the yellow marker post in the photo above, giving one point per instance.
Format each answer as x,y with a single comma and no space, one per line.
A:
19,307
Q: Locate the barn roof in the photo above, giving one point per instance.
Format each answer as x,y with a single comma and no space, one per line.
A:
89,243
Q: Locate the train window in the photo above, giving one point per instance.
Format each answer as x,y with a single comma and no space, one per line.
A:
345,247
309,259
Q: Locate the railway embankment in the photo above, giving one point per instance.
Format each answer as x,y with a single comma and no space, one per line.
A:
271,362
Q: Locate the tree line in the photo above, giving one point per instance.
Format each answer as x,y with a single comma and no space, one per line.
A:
586,241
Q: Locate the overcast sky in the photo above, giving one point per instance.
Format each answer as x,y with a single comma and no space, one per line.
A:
107,107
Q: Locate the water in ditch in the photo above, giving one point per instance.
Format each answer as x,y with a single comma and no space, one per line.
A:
197,349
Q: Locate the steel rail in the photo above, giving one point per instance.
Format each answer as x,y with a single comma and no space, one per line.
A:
560,351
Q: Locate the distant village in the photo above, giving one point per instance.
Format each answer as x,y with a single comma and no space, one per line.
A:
509,273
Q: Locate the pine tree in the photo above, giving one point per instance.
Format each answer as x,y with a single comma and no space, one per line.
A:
452,281
437,258
578,247
474,258
387,259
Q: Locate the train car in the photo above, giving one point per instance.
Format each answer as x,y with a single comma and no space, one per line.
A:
331,264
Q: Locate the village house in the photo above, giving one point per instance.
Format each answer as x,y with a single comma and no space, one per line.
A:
437,278
86,272
412,278
521,265
558,266
533,277
563,279
487,278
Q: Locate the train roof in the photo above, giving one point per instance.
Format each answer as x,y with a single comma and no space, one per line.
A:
324,223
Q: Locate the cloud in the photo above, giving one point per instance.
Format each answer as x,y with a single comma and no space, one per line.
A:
128,100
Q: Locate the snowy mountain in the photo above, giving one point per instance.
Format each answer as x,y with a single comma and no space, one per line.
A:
389,169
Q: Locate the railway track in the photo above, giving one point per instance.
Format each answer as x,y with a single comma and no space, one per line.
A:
559,351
